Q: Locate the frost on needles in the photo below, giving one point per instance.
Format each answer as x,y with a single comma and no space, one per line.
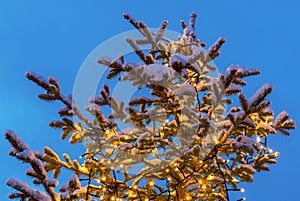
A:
191,139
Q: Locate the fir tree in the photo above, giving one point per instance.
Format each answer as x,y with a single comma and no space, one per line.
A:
192,140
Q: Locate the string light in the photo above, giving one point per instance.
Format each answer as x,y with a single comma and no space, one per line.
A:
233,189
210,177
200,181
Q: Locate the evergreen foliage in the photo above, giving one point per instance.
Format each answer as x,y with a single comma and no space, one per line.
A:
192,140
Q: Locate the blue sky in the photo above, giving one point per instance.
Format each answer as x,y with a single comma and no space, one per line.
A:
54,38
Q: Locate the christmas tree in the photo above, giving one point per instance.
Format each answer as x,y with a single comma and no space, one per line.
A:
193,135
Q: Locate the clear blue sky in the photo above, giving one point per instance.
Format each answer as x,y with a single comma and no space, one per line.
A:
54,38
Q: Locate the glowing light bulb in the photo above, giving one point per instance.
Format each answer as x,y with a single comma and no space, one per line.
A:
135,187
167,170
210,177
276,154
242,190
103,178
151,183
252,116
112,198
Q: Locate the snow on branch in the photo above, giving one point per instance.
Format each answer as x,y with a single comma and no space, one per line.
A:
25,154
26,192
179,140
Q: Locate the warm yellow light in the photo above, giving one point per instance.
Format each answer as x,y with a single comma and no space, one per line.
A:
103,178
146,199
151,183
210,177
188,197
101,197
253,116
167,170
276,154
112,198
169,179
135,187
